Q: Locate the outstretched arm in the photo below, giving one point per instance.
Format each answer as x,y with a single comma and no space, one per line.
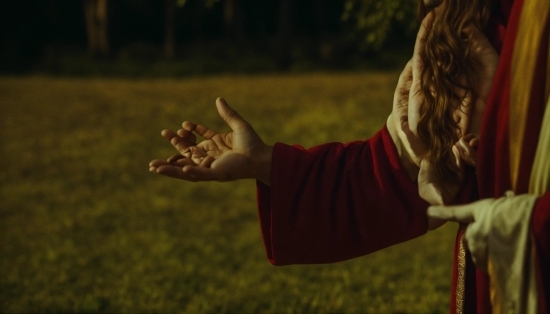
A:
239,154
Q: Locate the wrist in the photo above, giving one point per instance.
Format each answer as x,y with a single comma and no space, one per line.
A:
262,165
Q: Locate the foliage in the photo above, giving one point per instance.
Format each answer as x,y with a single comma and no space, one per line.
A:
208,3
85,228
374,20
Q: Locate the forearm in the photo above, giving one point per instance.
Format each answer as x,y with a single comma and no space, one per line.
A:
346,199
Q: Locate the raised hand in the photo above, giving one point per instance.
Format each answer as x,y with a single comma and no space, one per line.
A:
408,95
239,154
465,150
442,192
404,118
408,98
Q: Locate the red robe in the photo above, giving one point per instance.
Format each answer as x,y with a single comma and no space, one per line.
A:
339,201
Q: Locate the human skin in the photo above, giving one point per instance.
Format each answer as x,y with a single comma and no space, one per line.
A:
239,154
242,154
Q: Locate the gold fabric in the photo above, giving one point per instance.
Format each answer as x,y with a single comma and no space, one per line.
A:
461,278
533,22
500,239
540,175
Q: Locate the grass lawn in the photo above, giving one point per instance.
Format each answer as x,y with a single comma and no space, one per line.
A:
84,227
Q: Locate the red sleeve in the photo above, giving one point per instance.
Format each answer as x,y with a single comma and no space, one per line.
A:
338,201
540,223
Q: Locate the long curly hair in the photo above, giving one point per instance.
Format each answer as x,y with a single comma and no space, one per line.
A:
448,76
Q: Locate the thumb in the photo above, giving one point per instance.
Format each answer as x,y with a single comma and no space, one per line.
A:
230,116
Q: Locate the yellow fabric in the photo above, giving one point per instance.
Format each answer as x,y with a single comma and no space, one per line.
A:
461,276
534,19
540,175
547,89
500,239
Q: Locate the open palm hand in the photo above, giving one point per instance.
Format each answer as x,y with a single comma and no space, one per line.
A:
238,154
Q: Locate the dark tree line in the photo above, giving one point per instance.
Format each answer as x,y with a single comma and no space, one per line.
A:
32,28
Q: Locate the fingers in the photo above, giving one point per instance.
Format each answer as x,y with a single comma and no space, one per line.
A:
458,157
202,130
415,99
463,213
412,144
172,161
401,118
174,172
205,131
171,169
420,44
230,116
401,94
175,158
157,163
181,141
202,173
183,168
405,80
187,135
470,140
474,142
401,97
188,125
463,112
466,148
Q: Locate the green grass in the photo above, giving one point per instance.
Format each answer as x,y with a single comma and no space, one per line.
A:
86,228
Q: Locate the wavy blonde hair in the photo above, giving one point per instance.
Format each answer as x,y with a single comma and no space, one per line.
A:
448,75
